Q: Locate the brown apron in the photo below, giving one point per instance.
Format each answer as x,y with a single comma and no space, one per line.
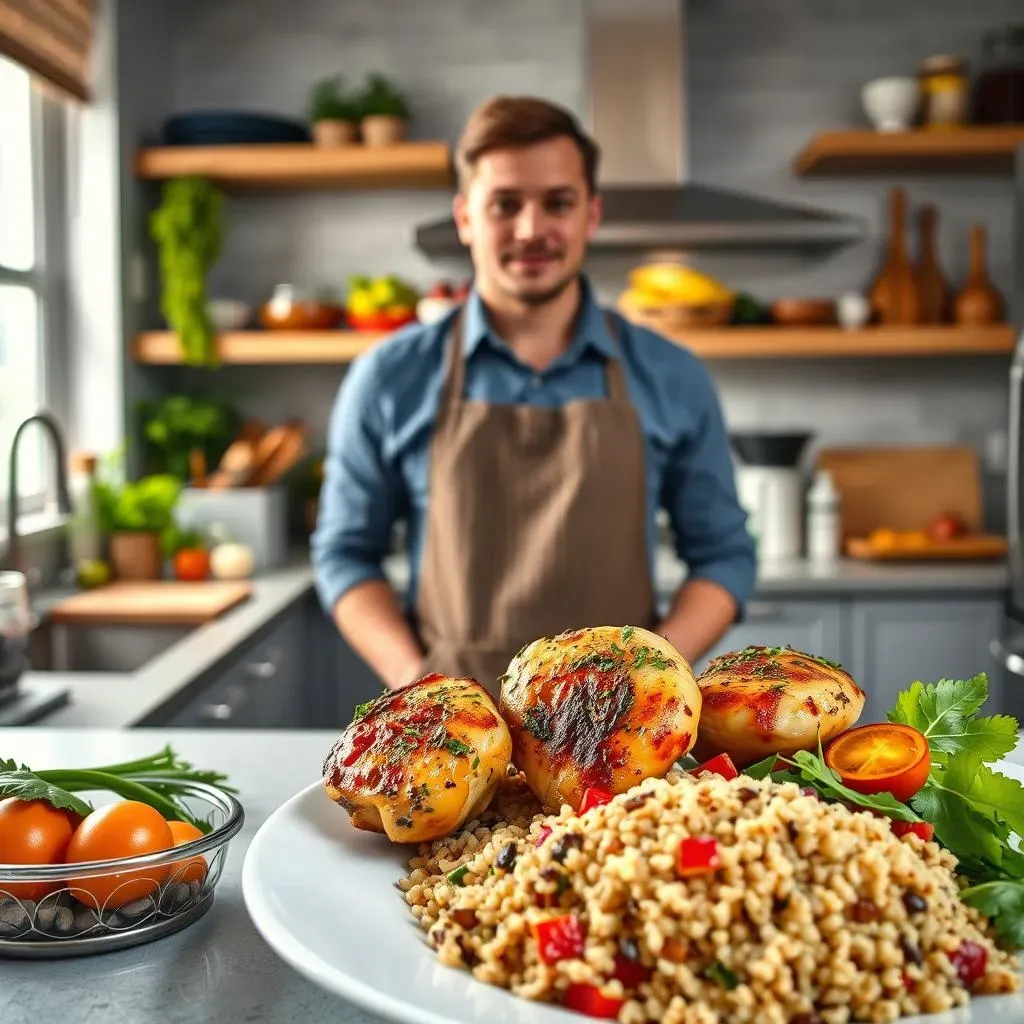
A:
536,523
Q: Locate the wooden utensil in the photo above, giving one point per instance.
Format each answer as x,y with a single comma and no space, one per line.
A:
894,296
161,603
904,488
283,458
978,547
236,465
804,311
979,302
931,282
197,468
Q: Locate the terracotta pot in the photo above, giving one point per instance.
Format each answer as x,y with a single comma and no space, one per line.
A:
136,556
383,129
331,132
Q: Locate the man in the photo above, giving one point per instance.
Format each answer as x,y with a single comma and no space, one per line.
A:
528,439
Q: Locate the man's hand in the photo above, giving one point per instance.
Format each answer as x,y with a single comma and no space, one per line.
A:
701,615
369,617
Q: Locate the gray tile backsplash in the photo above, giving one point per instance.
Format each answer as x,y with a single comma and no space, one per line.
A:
762,78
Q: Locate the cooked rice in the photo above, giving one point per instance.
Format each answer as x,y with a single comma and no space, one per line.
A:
806,910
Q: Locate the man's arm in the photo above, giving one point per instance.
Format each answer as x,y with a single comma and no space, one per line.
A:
361,496
699,494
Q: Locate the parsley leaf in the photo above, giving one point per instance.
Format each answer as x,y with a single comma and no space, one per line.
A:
1003,902
721,974
761,769
456,746
26,785
812,769
362,709
946,713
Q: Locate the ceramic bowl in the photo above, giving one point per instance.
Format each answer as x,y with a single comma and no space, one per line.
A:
229,314
891,103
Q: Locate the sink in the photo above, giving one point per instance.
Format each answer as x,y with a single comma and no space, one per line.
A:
119,649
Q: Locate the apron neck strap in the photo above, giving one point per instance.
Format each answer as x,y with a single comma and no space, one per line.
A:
455,365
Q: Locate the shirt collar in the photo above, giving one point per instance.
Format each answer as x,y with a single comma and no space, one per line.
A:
591,330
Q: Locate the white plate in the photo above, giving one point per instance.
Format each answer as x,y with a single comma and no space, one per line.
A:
324,896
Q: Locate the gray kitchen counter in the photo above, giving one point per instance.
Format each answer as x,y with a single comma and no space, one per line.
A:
219,969
114,700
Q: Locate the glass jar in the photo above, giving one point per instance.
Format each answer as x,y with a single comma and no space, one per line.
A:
999,89
944,91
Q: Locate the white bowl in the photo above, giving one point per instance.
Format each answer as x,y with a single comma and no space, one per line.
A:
890,103
430,309
229,314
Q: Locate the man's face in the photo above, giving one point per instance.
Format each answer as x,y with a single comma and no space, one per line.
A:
526,216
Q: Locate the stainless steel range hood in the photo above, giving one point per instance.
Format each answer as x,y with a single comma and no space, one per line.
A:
636,110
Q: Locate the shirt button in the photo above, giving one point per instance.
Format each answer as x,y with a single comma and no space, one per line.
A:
536,381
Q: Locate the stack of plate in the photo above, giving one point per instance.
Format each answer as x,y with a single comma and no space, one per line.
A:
226,128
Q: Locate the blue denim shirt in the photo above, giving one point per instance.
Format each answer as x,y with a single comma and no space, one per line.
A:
376,467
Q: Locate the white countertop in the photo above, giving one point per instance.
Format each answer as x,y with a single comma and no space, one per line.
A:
218,969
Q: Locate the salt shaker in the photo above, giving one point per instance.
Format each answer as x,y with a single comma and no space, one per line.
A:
824,541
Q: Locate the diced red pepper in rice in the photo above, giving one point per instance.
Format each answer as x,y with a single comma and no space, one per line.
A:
698,855
559,938
545,831
593,797
720,764
587,999
971,961
631,973
922,829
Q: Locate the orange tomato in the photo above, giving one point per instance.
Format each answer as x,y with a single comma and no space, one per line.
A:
192,564
124,829
882,757
193,869
33,832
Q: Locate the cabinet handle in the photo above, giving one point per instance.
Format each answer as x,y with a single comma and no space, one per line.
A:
266,669
237,697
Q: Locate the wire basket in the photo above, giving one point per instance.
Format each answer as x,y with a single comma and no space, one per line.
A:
53,910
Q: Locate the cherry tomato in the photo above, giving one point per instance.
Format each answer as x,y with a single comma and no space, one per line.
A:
882,757
192,564
33,832
124,829
193,869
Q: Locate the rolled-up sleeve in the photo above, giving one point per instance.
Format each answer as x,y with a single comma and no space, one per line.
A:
699,495
361,494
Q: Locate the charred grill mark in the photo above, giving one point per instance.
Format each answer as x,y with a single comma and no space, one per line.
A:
811,706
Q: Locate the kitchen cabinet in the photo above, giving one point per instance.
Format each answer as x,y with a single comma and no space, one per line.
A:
263,687
897,641
815,626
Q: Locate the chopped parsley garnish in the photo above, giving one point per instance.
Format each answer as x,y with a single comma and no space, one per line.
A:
410,730
537,722
720,973
362,709
456,746
456,876
626,634
475,764
404,822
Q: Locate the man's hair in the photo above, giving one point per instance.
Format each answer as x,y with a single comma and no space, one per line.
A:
510,122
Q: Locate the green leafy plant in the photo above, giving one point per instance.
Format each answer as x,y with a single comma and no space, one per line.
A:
142,506
328,101
380,97
188,228
178,425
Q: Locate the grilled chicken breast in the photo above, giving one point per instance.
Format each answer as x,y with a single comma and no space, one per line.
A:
766,700
604,707
421,761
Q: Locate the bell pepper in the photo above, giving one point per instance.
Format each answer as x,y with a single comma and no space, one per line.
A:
545,831
698,855
923,829
971,961
593,797
584,998
559,938
720,764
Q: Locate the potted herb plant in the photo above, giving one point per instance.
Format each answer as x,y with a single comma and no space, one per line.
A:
385,113
333,114
136,516
179,425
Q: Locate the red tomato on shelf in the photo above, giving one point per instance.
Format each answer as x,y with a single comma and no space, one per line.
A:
192,564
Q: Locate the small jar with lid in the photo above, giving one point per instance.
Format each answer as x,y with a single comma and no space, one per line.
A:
944,91
999,88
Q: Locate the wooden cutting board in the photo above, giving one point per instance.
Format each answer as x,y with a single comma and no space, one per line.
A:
160,603
904,488
979,547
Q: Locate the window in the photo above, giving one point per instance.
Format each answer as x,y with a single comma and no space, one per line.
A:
32,242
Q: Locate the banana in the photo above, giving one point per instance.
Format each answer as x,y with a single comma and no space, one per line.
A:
662,284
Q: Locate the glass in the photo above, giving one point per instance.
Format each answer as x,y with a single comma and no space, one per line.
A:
16,623
20,377
999,89
17,216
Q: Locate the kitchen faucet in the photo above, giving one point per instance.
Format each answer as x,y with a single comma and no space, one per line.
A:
45,419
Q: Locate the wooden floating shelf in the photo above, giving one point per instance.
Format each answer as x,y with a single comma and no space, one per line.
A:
324,347
988,150
303,165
